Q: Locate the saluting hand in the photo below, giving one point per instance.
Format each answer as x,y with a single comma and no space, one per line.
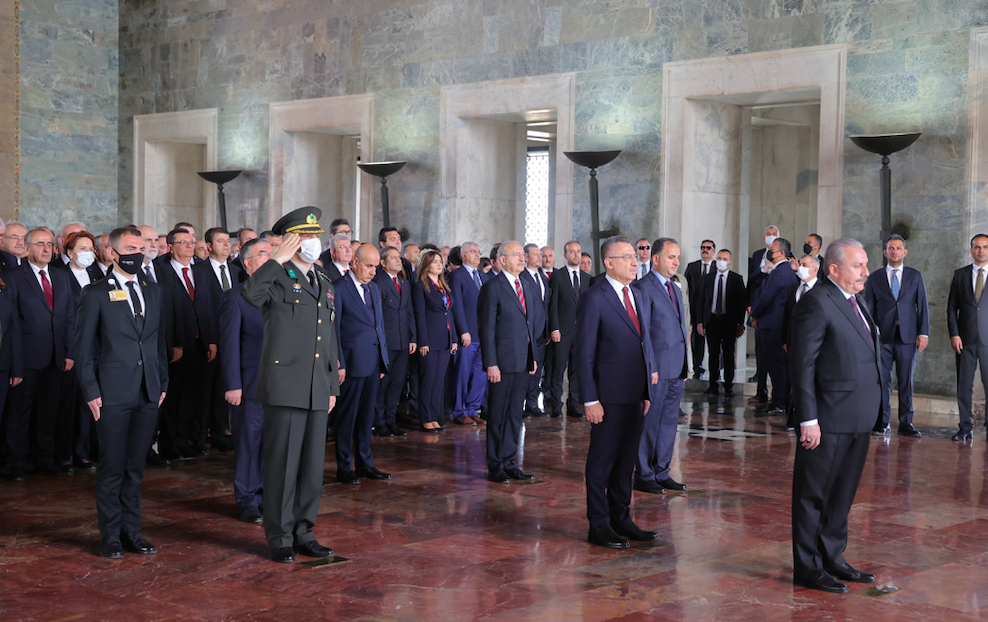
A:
290,244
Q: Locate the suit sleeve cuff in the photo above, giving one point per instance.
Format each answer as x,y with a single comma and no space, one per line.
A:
585,404
803,424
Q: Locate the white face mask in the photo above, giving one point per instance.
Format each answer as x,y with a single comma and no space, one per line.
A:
803,273
769,239
151,252
722,265
85,258
310,250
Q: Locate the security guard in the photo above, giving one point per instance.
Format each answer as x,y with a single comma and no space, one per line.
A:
297,382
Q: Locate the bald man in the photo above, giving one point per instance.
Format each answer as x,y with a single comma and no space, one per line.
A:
363,362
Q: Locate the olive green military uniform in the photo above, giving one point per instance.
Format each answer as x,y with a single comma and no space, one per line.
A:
297,375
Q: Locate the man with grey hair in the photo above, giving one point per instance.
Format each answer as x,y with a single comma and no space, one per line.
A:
470,383
756,276
13,241
837,387
540,284
548,260
340,253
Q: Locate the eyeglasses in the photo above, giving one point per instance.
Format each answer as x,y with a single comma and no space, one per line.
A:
42,244
624,257
644,248
706,248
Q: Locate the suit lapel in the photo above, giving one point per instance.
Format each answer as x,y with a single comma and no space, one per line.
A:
506,284
618,304
35,285
845,307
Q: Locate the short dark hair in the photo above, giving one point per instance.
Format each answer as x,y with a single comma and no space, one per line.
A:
429,246
247,250
114,238
818,239
385,250
785,247
659,245
336,224
382,235
585,254
978,235
171,234
211,234
241,232
530,246
712,243
455,258
267,235
609,243
494,251
724,250
896,236
183,224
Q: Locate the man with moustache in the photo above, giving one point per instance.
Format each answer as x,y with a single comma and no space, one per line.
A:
297,382
837,388
13,241
614,365
696,273
511,320
548,261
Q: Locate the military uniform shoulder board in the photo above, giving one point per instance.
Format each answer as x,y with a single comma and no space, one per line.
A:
291,272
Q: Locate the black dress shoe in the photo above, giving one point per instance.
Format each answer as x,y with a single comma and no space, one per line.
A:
536,412
284,555
111,548
728,392
908,429
15,474
252,514
220,442
373,473
428,430
820,580
382,431
395,430
154,459
498,476
847,572
712,390
313,549
135,543
649,486
758,399
347,477
632,531
963,436
881,430
605,536
671,484
516,473
85,465
776,410
753,378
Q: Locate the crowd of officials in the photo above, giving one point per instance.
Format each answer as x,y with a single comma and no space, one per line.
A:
135,348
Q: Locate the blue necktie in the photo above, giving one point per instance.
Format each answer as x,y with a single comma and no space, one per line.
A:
367,296
476,278
895,283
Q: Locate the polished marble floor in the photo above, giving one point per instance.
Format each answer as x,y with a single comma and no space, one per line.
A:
439,542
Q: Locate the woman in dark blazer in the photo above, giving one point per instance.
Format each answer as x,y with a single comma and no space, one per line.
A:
79,441
436,335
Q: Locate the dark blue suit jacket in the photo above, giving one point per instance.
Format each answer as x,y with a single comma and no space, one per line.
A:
399,317
44,331
666,331
431,318
770,305
540,331
507,333
363,345
11,350
614,363
466,294
241,337
911,309
7,261
190,315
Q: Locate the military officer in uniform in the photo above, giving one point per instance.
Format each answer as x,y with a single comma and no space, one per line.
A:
297,382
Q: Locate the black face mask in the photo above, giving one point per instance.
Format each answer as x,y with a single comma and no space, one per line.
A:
131,264
807,249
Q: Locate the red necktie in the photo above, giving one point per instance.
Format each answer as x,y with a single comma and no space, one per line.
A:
521,295
631,311
396,284
188,284
49,295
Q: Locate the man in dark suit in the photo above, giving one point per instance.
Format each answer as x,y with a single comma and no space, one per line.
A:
388,237
838,393
721,310
548,261
807,273
13,243
363,362
897,299
44,302
667,330
614,363
217,275
757,266
540,283
297,383
696,272
565,288
511,314
243,236
812,246
182,432
400,334
967,323
469,381
241,336
339,226
766,314
123,372
339,255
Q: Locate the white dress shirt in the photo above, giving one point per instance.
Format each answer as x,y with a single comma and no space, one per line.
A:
538,279
216,270
81,275
37,274
809,285
358,285
177,267
122,279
